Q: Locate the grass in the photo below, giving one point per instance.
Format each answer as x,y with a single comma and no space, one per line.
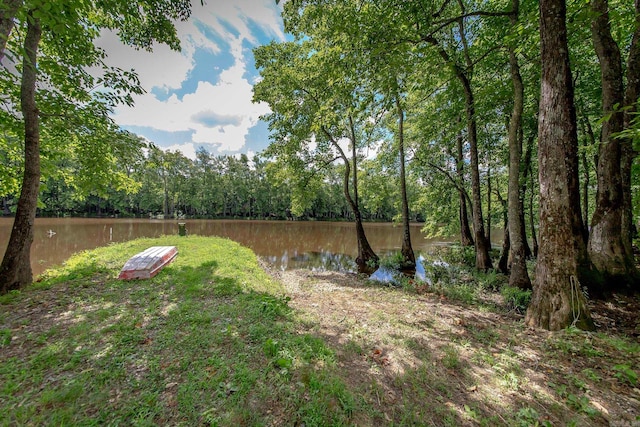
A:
209,341
215,340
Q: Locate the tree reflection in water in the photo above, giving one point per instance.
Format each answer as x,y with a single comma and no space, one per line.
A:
328,246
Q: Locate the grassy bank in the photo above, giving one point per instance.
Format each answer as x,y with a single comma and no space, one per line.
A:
216,340
210,340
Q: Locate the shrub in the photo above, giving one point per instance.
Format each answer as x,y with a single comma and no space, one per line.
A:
516,298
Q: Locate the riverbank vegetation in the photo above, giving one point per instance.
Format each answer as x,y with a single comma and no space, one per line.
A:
215,340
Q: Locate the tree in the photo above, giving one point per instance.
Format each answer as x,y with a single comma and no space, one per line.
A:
15,270
563,264
310,119
66,81
463,73
628,154
408,257
8,11
518,277
466,236
608,246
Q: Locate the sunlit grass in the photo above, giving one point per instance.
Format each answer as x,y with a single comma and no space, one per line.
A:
186,347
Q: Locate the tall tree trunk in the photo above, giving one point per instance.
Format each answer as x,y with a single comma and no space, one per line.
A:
505,253
8,12
466,238
526,167
483,261
408,257
590,140
606,241
518,277
532,223
15,270
557,300
367,260
487,235
628,154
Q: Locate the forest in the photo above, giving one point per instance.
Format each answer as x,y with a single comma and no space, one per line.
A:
463,115
220,187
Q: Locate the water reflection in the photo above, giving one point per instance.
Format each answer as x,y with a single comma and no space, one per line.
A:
386,275
285,244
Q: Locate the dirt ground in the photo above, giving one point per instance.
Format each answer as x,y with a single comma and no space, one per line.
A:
456,364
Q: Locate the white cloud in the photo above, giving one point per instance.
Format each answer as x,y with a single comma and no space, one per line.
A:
229,97
188,149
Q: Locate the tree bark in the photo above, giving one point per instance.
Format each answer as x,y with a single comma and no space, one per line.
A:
628,154
483,260
518,277
526,168
487,235
367,260
466,237
532,224
606,241
15,270
505,254
8,13
591,139
408,257
558,301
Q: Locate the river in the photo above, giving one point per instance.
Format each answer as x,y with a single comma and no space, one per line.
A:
284,244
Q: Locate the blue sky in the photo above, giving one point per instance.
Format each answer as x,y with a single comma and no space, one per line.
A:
201,97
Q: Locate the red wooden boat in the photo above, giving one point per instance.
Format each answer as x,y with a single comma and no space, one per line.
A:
148,263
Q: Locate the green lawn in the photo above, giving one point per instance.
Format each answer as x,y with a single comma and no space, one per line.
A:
208,341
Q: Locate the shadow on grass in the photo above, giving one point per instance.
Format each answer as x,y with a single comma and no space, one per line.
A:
191,346
439,363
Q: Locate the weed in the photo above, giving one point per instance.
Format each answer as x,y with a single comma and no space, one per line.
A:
450,358
352,347
5,337
577,382
591,375
582,404
461,292
529,417
437,272
625,374
516,298
392,262
579,403
490,280
9,297
622,344
464,255
486,336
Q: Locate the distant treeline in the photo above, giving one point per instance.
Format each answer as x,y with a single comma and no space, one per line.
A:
170,184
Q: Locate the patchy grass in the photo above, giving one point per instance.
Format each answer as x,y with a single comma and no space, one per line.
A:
214,340
455,351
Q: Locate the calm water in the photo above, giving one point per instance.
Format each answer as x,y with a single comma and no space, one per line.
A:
285,244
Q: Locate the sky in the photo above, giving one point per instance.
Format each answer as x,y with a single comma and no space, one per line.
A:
201,96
